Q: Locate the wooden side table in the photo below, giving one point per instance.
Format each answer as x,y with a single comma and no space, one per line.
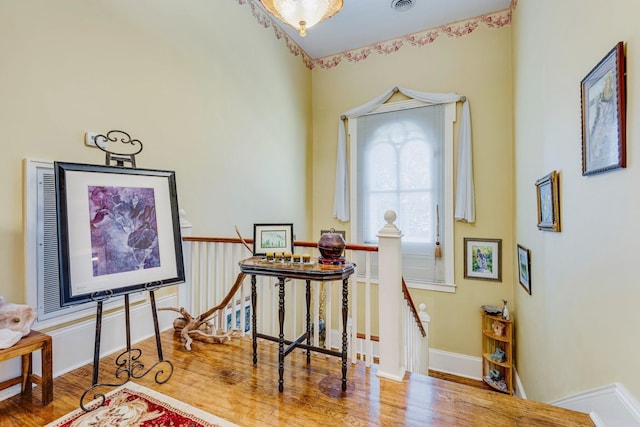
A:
307,272
25,348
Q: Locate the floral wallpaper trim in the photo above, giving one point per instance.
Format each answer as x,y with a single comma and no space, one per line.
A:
454,30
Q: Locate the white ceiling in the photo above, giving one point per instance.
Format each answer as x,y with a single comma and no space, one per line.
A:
364,22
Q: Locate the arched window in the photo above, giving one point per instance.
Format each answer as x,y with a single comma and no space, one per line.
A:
401,164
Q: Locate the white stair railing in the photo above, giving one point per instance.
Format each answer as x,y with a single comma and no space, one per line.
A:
212,267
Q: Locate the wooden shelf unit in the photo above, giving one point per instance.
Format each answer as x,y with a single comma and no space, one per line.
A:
490,343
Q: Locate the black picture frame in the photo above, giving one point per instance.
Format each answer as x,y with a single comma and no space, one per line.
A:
118,231
603,100
548,197
524,268
272,238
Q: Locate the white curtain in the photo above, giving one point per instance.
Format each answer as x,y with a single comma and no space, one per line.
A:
465,199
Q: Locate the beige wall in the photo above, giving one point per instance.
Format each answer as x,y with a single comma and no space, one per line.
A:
211,94
478,66
579,328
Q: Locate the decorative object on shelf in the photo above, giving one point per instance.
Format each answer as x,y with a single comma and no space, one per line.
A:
500,385
491,309
499,356
524,268
494,374
302,14
498,328
276,238
603,94
482,259
505,310
548,192
331,245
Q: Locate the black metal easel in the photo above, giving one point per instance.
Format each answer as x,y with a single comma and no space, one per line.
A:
128,363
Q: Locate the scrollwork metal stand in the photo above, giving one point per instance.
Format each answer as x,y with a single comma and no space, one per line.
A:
128,364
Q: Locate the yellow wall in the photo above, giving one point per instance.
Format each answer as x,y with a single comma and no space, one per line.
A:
579,328
217,98
478,66
211,94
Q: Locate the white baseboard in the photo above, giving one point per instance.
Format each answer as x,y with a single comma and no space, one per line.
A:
455,364
519,388
73,345
610,405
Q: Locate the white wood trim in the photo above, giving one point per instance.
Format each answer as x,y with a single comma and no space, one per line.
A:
610,405
455,364
519,388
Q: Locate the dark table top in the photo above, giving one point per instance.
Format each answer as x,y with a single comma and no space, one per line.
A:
314,270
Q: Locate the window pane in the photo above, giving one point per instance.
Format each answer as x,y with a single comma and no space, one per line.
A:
381,167
416,169
400,168
414,217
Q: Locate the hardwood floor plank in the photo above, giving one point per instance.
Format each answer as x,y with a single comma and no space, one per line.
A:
221,379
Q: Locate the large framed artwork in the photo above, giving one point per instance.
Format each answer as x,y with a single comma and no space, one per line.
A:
604,114
483,259
118,231
272,238
548,195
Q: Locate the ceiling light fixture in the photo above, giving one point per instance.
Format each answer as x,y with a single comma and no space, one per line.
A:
302,14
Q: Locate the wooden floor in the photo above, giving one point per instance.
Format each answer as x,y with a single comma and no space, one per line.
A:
221,379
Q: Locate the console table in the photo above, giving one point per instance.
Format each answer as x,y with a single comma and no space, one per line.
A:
256,266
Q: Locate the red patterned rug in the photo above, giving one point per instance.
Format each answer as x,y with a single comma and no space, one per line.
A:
134,405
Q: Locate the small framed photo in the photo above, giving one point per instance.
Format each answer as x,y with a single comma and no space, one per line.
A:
482,259
548,194
524,268
603,114
118,231
272,238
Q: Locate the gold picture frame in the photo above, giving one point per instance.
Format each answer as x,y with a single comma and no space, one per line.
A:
603,95
548,195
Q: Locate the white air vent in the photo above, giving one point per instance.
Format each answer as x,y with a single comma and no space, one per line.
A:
41,250
402,5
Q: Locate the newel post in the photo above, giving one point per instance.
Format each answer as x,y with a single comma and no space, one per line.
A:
390,300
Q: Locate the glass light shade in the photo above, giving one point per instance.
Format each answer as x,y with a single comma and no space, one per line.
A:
302,14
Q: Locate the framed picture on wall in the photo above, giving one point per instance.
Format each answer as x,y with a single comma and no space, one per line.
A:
524,268
603,114
118,231
548,195
482,259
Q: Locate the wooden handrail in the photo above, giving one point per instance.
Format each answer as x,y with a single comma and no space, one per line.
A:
412,307
298,243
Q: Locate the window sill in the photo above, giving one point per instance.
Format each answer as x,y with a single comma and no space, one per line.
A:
430,286
425,286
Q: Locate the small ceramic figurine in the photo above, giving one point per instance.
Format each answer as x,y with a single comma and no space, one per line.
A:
499,355
505,310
